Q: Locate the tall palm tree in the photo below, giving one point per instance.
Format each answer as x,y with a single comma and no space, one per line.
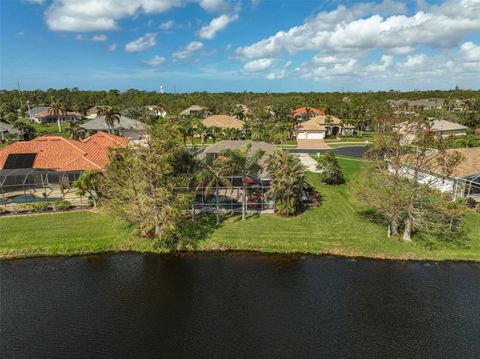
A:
212,176
111,116
56,109
245,164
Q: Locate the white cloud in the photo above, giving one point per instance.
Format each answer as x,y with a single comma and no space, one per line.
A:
36,1
228,47
258,65
155,61
142,43
167,25
361,28
217,24
100,15
20,33
220,6
470,52
100,38
188,50
112,47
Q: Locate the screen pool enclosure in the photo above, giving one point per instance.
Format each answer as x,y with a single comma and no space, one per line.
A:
30,185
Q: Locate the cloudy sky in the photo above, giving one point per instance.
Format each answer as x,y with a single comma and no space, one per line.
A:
254,45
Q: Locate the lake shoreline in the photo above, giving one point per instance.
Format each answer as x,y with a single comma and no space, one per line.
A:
240,252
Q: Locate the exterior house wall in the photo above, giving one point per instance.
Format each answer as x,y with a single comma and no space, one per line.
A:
449,133
444,184
310,135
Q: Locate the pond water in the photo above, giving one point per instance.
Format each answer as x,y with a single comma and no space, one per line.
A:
237,306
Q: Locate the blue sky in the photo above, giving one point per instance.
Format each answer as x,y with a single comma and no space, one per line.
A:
221,45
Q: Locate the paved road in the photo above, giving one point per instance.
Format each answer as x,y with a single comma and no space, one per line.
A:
353,151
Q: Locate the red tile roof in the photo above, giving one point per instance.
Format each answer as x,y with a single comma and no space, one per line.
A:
303,111
63,154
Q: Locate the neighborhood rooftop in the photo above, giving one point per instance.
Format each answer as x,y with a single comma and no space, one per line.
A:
58,153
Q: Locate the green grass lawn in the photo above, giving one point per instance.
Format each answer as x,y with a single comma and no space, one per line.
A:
335,227
51,129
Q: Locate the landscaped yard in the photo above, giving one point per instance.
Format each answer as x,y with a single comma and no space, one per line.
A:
336,227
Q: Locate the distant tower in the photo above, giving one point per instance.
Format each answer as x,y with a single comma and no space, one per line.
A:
161,89
174,89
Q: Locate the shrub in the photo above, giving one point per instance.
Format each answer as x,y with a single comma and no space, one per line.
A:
62,205
331,171
470,202
3,210
38,206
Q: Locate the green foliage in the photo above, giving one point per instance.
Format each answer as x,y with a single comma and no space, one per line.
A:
477,208
26,128
88,184
143,184
331,172
288,182
62,205
243,163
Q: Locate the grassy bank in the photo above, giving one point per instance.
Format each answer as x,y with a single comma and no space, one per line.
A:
336,226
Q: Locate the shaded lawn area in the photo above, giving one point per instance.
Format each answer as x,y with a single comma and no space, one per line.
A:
335,227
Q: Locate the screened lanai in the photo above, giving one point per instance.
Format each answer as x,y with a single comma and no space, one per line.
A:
29,185
230,197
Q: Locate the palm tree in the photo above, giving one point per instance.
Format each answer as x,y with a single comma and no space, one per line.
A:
288,181
111,116
185,129
56,109
210,176
202,131
74,129
241,162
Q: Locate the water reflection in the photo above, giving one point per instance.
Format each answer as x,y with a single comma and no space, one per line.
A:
240,305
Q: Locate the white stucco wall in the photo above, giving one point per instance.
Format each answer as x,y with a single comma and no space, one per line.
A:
309,135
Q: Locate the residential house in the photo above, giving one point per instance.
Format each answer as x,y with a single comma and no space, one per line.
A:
442,128
45,168
129,128
321,126
156,111
463,181
7,130
61,154
223,122
194,110
306,113
43,115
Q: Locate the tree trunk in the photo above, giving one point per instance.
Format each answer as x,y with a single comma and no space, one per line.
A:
407,234
217,203
244,199
59,125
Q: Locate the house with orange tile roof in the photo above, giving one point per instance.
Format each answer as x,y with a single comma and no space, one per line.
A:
61,154
306,113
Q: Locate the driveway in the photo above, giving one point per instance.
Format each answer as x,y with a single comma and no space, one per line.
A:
312,144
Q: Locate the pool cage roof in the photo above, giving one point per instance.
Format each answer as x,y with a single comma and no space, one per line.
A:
23,176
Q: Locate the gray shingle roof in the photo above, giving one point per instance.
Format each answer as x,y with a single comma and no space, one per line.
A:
443,125
126,123
5,127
